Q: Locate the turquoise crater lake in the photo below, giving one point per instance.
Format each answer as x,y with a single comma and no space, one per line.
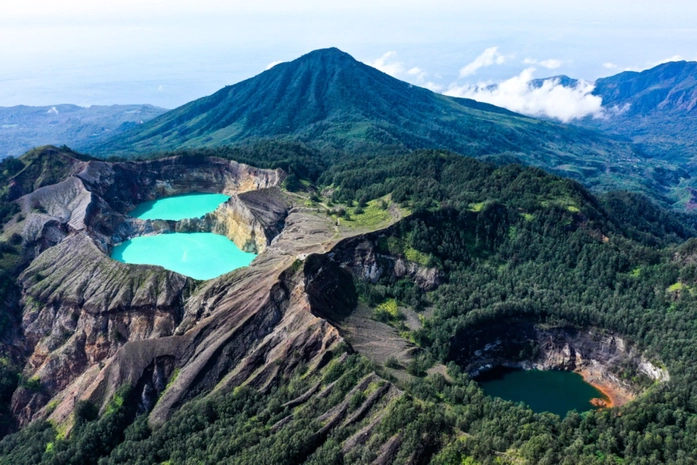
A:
543,391
197,255
179,207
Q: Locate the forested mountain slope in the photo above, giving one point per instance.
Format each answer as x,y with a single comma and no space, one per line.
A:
657,108
350,338
333,103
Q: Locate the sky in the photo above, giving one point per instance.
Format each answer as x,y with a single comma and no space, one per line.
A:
169,52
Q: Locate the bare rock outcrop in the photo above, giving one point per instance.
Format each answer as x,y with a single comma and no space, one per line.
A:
251,220
362,257
80,306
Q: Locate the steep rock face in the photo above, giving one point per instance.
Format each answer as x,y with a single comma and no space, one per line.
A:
81,307
250,220
127,184
52,212
521,343
362,257
251,326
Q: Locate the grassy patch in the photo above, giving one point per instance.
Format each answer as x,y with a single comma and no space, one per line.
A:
62,429
117,401
677,287
387,310
477,207
171,381
372,216
414,255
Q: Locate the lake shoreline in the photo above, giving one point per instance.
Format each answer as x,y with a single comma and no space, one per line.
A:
616,396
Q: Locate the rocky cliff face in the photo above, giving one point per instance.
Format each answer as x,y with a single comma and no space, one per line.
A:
250,220
602,357
79,306
362,257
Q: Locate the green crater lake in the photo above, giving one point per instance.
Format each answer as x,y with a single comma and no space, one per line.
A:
179,207
543,391
197,255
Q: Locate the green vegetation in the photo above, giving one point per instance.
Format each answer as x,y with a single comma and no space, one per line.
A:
387,312
511,242
597,264
343,108
371,216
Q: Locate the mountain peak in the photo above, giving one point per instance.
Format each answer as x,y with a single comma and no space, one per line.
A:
330,52
336,104
666,87
332,57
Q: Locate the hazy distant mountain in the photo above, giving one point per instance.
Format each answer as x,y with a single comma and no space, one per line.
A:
657,108
667,88
565,81
23,127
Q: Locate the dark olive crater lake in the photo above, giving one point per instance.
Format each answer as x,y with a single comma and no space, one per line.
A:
543,391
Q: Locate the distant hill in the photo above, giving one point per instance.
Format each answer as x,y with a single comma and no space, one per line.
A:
667,88
565,81
656,108
24,127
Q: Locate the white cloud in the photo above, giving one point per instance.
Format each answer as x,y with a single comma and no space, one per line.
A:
489,57
549,64
668,60
550,100
418,73
433,86
609,65
272,64
388,64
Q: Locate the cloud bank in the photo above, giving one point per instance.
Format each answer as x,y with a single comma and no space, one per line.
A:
389,64
551,100
549,64
489,57
519,94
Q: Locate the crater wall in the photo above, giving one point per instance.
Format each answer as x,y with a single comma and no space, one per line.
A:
605,359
